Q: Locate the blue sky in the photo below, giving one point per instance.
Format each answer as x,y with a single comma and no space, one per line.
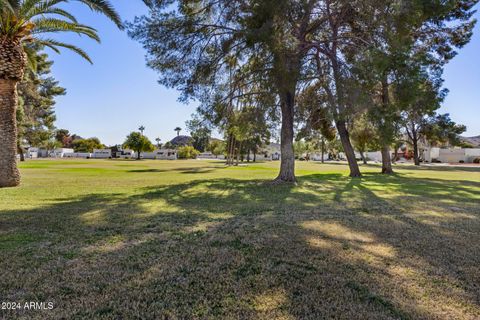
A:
119,93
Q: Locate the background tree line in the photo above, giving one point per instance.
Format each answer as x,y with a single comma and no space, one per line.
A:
310,65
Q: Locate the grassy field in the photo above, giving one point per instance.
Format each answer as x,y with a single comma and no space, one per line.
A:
196,240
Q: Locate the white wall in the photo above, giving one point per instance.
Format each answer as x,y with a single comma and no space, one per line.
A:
318,156
374,156
471,154
82,155
60,153
451,155
160,154
211,156
431,154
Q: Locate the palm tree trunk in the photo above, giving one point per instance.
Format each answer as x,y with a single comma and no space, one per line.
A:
9,174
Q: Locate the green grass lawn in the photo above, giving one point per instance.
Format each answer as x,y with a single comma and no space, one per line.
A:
195,240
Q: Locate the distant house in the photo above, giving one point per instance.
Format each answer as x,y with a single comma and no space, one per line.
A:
451,155
81,155
102,154
375,156
317,156
60,152
269,152
32,153
343,156
211,156
124,154
160,154
431,154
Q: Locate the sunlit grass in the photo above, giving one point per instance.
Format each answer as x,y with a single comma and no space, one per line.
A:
196,239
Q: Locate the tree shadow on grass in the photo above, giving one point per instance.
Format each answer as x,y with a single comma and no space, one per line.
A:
186,170
331,247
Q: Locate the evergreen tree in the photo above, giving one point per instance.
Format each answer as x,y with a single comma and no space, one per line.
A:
37,93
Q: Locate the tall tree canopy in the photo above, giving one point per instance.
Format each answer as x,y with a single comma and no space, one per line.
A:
230,55
138,143
223,51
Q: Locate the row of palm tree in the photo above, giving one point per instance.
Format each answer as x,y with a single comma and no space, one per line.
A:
22,23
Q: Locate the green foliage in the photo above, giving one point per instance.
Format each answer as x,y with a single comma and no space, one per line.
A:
87,145
199,132
187,152
363,135
25,21
37,93
63,136
354,56
465,145
441,129
168,145
138,143
51,144
217,147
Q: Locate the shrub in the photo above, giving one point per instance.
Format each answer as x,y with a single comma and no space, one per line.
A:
476,160
187,152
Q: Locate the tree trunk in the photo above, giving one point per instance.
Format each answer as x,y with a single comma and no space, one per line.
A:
395,155
287,69
287,157
21,152
239,155
254,157
323,150
386,160
230,151
364,159
348,149
9,174
416,157
12,65
138,155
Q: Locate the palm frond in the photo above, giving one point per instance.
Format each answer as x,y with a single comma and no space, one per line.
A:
24,20
5,6
47,25
13,4
31,58
106,8
54,44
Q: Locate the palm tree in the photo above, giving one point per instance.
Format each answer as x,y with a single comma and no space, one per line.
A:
23,22
141,129
178,129
158,142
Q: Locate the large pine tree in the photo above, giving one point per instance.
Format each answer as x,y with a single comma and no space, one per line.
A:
37,93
